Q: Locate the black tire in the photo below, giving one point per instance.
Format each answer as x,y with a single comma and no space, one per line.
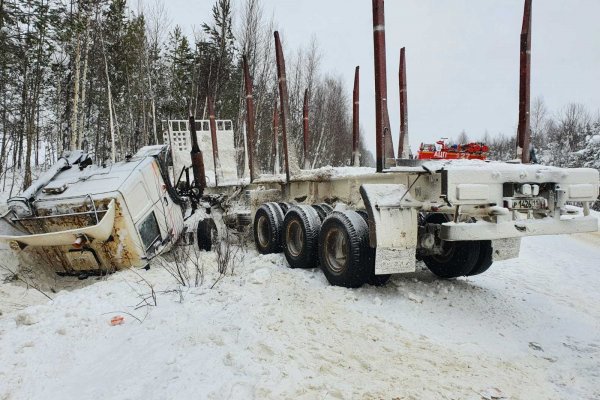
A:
268,223
364,214
206,232
323,210
327,208
284,206
346,234
485,259
301,227
322,214
459,259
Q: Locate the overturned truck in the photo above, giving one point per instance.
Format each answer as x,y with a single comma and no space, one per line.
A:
79,218
359,225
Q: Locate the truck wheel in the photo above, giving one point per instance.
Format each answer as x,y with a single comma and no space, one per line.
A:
344,249
458,259
485,260
284,206
323,210
300,236
206,233
268,221
364,214
326,207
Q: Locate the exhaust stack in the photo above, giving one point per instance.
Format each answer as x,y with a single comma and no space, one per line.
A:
524,130
250,118
305,130
383,134
197,159
355,119
403,144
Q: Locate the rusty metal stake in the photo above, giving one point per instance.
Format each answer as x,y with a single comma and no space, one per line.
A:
305,130
524,130
291,162
355,118
250,118
213,138
275,147
403,144
383,137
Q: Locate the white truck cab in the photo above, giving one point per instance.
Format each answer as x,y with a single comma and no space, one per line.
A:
81,218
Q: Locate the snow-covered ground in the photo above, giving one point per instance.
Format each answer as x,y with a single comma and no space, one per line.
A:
527,329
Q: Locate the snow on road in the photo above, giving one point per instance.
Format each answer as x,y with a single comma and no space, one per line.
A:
527,329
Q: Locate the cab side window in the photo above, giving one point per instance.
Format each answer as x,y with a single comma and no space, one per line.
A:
149,231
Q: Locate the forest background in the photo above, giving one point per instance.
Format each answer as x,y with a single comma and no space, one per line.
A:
101,76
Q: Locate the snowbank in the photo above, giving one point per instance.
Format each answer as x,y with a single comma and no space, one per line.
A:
526,328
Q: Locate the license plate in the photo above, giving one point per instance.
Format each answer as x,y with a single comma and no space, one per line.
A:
527,204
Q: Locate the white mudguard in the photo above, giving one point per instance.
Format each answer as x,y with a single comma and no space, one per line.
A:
393,227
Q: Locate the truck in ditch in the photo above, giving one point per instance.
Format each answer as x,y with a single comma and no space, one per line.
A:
359,225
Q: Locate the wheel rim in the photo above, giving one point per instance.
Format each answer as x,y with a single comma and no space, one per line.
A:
263,231
294,238
336,250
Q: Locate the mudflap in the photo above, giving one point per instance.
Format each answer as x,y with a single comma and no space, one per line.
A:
393,227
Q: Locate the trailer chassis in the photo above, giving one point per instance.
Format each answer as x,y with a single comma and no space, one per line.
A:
456,216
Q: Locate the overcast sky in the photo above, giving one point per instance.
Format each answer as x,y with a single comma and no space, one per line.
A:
462,56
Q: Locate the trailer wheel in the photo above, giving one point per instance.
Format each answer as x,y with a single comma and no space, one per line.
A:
327,208
323,210
300,236
458,259
485,260
344,249
206,233
268,221
284,206
364,214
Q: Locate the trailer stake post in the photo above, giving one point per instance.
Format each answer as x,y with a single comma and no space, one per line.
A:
403,143
524,129
290,158
275,146
355,119
250,118
305,130
383,138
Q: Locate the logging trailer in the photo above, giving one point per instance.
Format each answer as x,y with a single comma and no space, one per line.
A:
359,225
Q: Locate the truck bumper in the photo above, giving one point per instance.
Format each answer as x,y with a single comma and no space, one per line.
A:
100,232
482,230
